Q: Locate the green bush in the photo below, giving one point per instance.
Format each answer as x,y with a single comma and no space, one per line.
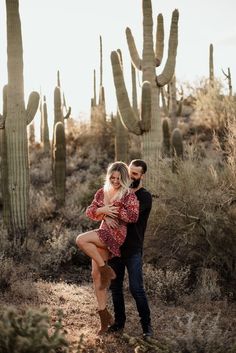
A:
29,333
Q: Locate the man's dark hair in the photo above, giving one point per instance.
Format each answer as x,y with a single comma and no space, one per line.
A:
139,163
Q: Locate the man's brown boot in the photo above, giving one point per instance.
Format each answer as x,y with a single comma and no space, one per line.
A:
107,274
106,320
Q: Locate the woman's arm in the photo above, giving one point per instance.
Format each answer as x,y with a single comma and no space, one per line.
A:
92,211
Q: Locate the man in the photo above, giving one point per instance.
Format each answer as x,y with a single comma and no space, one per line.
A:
131,257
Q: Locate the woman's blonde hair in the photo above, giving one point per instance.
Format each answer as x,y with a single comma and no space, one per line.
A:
122,168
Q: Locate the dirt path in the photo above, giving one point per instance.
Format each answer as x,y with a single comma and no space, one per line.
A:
81,320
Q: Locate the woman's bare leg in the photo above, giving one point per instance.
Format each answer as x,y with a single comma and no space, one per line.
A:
106,318
89,243
101,294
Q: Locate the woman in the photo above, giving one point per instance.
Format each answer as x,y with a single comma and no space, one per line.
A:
114,200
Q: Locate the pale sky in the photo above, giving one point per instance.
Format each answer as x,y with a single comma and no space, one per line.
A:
64,35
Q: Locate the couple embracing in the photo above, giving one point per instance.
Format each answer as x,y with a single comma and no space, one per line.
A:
123,206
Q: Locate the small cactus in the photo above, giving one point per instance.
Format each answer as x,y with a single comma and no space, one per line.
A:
177,148
166,138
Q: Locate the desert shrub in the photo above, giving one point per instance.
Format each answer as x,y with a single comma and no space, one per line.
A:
190,221
30,332
194,334
213,111
16,279
40,171
7,269
59,250
42,206
208,284
166,284
82,140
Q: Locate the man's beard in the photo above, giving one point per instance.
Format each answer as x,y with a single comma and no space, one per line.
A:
135,183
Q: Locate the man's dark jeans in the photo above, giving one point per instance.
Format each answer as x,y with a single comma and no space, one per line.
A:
134,268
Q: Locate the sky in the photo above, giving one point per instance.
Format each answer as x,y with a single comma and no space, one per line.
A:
64,35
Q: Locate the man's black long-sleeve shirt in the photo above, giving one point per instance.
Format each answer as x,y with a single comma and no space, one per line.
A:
135,231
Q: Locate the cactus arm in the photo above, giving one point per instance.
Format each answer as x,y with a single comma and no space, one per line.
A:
159,40
58,79
134,89
135,58
68,113
169,68
64,101
128,116
32,106
146,106
94,88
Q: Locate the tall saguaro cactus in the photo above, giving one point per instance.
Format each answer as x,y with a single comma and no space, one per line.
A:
151,137
16,125
211,65
44,125
98,110
59,163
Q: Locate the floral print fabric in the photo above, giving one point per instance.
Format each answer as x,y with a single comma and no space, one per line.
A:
128,212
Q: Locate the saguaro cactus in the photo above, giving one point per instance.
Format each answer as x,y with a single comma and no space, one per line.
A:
228,77
151,136
44,125
59,163
98,110
211,64
16,125
59,104
4,172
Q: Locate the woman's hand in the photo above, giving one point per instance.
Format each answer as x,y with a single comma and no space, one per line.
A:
108,210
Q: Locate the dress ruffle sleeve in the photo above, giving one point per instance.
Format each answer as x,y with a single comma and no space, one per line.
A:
129,209
96,203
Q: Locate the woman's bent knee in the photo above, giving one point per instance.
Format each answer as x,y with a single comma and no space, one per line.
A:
79,241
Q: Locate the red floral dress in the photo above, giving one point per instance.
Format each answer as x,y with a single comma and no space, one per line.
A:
128,212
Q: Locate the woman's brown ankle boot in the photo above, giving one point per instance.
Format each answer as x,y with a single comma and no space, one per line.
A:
106,320
107,274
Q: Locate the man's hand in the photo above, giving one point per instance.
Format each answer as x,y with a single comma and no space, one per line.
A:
108,210
111,222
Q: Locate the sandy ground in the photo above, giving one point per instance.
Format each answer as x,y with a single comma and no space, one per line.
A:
173,325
